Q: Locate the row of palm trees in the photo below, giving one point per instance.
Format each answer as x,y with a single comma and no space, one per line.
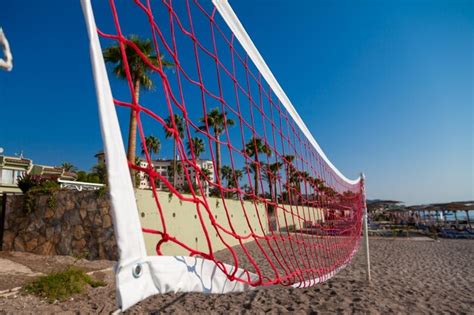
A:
269,172
214,122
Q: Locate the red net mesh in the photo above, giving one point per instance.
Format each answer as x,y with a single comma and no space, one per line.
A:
299,221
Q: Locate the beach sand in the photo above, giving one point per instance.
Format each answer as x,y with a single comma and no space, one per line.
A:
408,276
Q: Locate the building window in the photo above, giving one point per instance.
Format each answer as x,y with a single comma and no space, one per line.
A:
10,177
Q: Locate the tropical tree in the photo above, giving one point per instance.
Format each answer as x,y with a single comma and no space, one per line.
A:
238,174
289,174
197,146
170,133
216,121
68,167
271,175
99,171
204,178
152,144
253,148
294,182
329,192
140,71
82,176
317,185
303,178
235,180
246,188
232,177
204,174
227,174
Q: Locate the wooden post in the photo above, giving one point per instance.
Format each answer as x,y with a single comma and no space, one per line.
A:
366,229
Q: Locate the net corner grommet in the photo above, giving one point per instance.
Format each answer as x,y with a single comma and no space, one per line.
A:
137,270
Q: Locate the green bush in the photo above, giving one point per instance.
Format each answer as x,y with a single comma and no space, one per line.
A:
27,182
46,186
59,286
30,182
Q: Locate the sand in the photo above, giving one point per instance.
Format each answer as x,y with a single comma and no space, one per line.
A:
408,276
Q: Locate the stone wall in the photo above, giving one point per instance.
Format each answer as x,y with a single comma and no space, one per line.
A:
60,223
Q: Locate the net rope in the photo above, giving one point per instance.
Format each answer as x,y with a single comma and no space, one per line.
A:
303,220
6,63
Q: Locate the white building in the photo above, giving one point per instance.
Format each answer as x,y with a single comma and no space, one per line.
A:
13,167
164,168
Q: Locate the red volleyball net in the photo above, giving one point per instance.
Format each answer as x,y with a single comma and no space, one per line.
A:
236,160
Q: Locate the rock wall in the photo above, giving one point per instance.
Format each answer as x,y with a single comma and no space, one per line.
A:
60,223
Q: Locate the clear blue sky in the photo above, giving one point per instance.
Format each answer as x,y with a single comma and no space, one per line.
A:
386,87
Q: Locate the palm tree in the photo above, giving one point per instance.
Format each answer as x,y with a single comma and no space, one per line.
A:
203,178
178,121
305,177
271,175
294,182
152,144
227,174
317,185
197,146
205,173
289,173
238,174
329,192
253,148
217,121
68,167
100,170
139,74
232,178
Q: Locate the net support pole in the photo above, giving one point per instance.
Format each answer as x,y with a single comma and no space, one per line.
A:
366,229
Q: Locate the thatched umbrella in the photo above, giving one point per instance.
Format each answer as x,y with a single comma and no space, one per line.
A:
426,208
458,206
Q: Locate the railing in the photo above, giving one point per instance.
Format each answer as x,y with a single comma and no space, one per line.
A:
79,186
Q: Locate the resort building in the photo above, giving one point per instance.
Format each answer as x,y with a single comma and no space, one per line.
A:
53,172
165,167
12,167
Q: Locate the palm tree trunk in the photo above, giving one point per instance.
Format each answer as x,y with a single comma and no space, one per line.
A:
218,158
275,191
174,163
132,134
255,177
270,187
